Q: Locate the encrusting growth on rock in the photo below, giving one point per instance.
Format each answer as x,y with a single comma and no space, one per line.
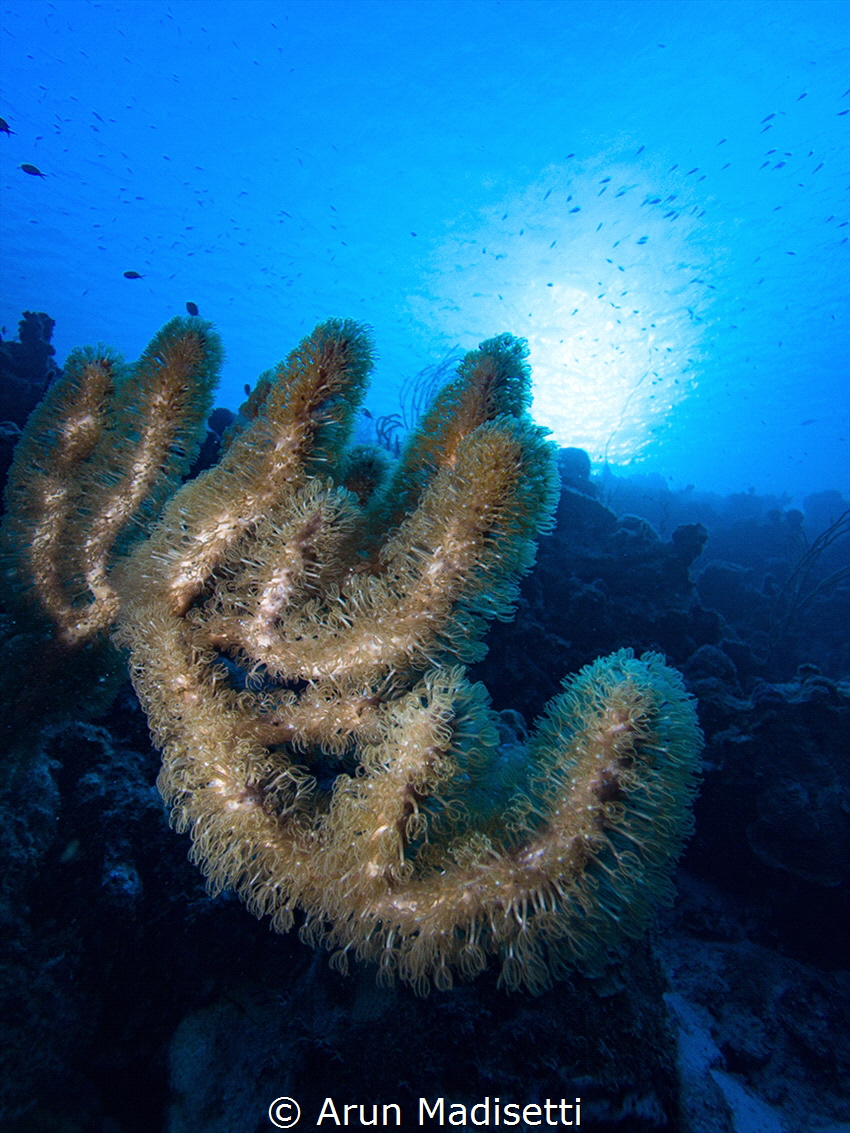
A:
297,623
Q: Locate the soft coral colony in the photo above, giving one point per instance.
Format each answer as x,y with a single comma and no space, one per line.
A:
298,619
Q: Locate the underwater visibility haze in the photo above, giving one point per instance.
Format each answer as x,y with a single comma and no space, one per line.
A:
653,194
424,430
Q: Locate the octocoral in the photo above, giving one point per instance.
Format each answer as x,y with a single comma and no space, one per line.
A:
298,622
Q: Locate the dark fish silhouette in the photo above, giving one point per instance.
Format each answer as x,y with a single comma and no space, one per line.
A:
33,170
4,127
192,308
132,275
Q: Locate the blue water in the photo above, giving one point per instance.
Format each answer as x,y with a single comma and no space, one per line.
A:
653,194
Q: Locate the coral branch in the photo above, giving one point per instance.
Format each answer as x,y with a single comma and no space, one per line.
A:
94,465
96,461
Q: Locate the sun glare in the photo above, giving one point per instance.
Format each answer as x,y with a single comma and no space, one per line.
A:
608,292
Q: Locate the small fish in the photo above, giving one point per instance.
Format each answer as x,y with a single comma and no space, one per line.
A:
722,140
33,170
818,167
640,151
604,180
366,413
132,275
803,95
767,119
548,192
4,127
192,308
840,113
690,171
672,167
643,240
809,421
780,164
576,209
552,245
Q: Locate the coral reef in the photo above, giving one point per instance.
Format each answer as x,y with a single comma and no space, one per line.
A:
132,1000
297,633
